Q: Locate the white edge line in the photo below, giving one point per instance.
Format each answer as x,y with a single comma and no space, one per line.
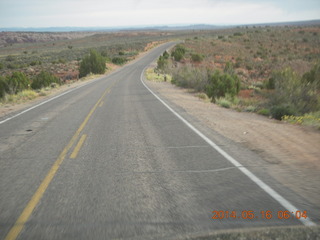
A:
285,203
55,97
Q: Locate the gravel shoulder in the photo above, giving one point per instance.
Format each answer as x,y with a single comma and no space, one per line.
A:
291,152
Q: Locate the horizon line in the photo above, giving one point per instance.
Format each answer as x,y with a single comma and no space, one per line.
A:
137,27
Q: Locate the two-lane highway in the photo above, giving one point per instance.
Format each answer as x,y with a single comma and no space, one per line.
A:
110,161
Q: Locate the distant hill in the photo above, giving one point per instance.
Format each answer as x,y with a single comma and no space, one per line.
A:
154,28
9,38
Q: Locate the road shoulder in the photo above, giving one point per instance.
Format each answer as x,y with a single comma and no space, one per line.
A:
290,153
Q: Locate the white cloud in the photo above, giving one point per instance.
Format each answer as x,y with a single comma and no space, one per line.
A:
147,12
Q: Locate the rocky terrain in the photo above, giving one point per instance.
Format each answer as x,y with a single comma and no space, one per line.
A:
9,38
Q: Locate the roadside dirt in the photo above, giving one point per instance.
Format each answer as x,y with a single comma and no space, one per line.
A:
291,152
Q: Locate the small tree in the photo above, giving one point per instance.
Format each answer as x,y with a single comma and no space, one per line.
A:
166,55
92,63
162,63
220,84
178,53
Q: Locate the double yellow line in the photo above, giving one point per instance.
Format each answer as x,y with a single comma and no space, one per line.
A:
26,213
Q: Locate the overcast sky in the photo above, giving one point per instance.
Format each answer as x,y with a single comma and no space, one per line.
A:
106,13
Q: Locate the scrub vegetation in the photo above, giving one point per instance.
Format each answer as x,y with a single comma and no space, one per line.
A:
273,71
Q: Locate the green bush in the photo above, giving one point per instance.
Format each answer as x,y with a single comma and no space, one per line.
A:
293,90
239,34
3,87
223,102
190,77
12,66
313,76
270,84
221,84
264,112
44,79
92,63
196,57
278,112
162,63
34,63
119,60
17,82
166,55
10,58
178,52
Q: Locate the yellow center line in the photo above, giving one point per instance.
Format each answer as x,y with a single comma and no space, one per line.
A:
101,104
27,211
78,146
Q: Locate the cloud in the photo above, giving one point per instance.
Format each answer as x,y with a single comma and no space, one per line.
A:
46,13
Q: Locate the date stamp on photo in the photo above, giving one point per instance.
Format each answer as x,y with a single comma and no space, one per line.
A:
267,214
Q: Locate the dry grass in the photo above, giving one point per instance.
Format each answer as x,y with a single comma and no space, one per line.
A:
20,97
152,75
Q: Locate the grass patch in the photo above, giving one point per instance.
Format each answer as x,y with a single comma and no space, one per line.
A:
310,119
250,109
20,97
203,97
151,75
223,102
264,112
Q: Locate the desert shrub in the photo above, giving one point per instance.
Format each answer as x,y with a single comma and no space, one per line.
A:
223,102
250,109
313,76
44,79
279,111
92,63
34,63
190,77
17,82
295,91
239,34
12,66
3,87
178,52
177,56
202,96
220,84
270,83
1,66
162,63
196,57
264,112
10,58
166,55
310,119
119,60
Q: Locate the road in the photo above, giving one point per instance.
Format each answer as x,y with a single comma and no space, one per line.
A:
110,161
